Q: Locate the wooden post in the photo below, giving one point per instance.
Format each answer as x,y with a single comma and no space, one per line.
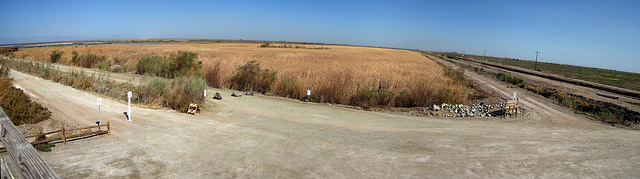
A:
64,138
108,128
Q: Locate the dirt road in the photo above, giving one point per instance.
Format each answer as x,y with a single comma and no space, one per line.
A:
630,102
271,137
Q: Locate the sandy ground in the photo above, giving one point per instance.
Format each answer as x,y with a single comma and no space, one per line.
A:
270,137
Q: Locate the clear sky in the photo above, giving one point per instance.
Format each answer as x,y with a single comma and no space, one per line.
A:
604,34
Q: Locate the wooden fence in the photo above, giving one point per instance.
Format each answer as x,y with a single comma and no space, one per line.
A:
26,158
65,134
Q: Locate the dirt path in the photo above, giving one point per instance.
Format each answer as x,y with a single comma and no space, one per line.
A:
631,103
540,110
271,137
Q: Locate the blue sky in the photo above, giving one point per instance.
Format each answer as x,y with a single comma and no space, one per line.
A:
604,34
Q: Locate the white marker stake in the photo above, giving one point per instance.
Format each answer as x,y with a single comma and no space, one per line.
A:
99,113
308,93
129,95
514,95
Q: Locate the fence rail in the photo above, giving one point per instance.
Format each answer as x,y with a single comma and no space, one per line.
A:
26,158
66,136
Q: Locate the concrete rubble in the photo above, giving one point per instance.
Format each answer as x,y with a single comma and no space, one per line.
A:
476,110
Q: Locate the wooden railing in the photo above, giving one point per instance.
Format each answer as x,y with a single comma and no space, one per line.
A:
26,158
65,134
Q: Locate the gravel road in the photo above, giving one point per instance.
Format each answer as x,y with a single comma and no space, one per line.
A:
271,137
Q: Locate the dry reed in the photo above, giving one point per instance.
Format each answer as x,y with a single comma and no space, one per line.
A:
336,74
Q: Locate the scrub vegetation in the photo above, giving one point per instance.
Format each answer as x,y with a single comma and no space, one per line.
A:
363,76
16,104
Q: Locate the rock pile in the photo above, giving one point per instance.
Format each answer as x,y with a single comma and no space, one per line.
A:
217,96
236,94
459,110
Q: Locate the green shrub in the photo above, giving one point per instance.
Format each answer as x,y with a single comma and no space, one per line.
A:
507,78
176,65
55,56
251,77
87,60
185,90
446,96
156,66
370,97
607,116
288,87
104,65
4,70
43,147
19,107
74,58
183,62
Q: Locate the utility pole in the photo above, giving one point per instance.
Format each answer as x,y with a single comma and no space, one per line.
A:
484,56
535,67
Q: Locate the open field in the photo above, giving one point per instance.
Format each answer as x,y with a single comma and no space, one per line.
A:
608,77
270,137
335,74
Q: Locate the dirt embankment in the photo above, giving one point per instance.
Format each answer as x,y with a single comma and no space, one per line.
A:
599,86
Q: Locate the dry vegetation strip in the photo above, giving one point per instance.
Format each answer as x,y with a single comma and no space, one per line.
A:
337,75
18,106
609,113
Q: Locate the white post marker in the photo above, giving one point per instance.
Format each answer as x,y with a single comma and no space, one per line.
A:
99,113
308,93
204,101
129,95
515,95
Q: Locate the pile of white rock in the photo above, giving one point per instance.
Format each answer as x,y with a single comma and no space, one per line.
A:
459,110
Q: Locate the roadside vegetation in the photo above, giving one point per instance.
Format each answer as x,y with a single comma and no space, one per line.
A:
609,77
174,93
269,45
609,113
361,76
16,104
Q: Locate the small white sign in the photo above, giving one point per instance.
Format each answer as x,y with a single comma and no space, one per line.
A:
205,93
129,94
99,101
308,90
515,95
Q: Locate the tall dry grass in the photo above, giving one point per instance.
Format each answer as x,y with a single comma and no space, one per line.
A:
336,74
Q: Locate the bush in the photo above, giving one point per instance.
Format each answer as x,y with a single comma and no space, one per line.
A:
104,65
176,65
446,96
506,78
370,97
156,66
74,58
213,76
4,70
55,56
288,87
87,60
185,90
19,107
183,62
251,77
43,147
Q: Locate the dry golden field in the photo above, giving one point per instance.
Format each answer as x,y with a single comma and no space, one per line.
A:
335,74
